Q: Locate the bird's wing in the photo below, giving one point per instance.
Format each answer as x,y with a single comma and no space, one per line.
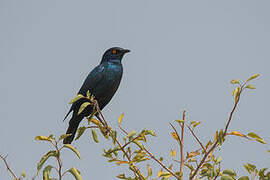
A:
90,83
92,80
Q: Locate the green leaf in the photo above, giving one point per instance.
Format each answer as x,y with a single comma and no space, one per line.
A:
121,176
226,178
83,106
80,132
76,174
147,132
43,138
253,77
114,136
244,178
196,124
45,158
180,121
75,150
79,96
256,137
219,159
235,81
46,172
94,134
253,135
250,86
63,136
229,172
149,171
132,133
138,144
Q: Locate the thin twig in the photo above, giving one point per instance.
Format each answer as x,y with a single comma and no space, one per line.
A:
8,168
160,163
181,144
192,132
225,132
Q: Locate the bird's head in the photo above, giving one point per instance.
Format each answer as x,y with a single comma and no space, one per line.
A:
114,55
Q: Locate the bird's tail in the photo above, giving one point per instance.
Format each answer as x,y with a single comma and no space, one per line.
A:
72,128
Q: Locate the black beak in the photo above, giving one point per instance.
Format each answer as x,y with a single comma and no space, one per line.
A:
124,51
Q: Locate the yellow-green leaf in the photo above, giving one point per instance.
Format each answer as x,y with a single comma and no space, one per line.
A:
114,136
80,132
235,81
253,77
63,136
76,174
23,174
236,133
165,174
131,133
96,122
174,135
149,171
45,158
83,106
43,138
226,178
244,178
75,150
254,135
88,94
250,86
120,119
173,153
94,134
196,124
79,96
229,172
180,121
138,144
46,172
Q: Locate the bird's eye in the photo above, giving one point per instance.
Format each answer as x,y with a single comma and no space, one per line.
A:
114,51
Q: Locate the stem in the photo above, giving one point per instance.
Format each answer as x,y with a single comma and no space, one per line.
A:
181,145
160,163
8,168
225,132
192,132
59,162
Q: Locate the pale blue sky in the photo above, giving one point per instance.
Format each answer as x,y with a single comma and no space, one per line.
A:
183,56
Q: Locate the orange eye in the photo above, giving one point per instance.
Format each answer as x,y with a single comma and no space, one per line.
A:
114,51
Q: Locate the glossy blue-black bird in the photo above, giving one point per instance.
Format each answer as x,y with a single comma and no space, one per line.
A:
102,82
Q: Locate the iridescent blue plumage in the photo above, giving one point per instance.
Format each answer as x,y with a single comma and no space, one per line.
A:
102,82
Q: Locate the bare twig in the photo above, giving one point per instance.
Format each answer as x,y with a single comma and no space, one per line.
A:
8,168
160,163
192,132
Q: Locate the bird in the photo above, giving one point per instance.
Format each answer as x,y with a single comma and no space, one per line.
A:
102,82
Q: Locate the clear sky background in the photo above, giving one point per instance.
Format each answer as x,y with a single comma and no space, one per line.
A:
183,56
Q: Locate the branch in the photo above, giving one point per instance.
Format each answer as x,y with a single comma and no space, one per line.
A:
8,168
160,163
192,132
216,143
181,144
